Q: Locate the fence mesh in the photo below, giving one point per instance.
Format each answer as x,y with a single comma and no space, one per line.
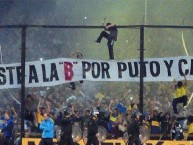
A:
160,43
49,43
10,52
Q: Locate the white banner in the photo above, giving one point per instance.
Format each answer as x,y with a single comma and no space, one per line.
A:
62,70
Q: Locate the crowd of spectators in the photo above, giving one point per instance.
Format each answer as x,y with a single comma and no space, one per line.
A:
115,105
114,112
115,109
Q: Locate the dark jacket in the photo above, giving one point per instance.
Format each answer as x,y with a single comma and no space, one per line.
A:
66,125
92,127
165,124
133,128
8,128
113,32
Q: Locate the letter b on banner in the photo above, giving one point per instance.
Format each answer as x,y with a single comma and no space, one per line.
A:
68,71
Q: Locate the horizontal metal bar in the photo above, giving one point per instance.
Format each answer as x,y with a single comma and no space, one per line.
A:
94,27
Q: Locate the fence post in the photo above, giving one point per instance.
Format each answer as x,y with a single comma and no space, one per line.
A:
141,68
23,48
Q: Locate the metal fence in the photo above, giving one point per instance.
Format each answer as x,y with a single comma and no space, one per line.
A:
22,43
